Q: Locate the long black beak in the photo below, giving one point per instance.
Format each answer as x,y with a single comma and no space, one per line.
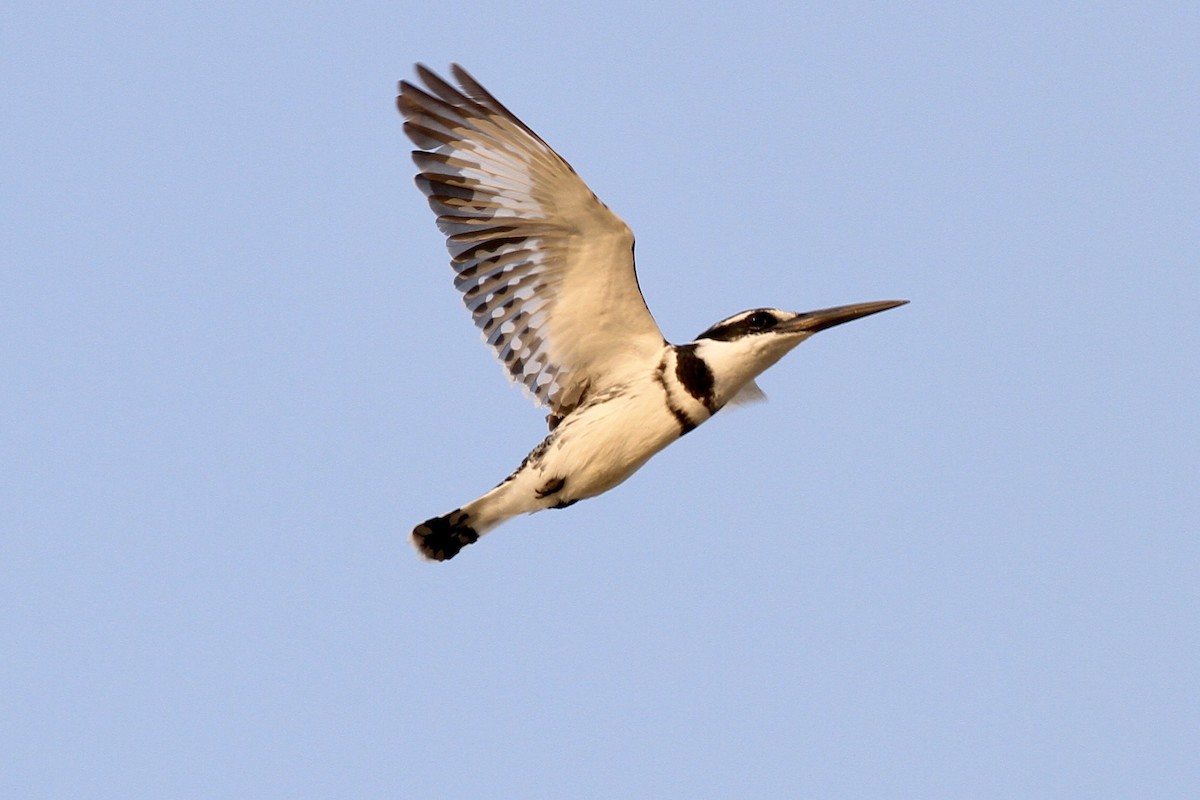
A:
813,321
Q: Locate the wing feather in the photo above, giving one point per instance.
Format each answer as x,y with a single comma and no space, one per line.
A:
545,268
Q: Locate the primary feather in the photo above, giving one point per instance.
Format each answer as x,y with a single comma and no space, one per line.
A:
536,253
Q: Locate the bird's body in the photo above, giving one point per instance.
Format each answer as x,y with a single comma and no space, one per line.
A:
548,274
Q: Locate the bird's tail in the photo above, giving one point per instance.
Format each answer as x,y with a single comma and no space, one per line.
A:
440,538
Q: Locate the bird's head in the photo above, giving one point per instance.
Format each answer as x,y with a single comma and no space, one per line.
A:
739,348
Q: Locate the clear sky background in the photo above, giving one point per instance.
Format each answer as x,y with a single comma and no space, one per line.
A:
957,555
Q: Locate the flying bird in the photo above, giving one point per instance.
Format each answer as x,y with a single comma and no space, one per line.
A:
547,272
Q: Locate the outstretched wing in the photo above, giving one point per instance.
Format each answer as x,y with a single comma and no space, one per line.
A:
544,267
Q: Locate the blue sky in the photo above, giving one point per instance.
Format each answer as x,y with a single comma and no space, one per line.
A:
955,555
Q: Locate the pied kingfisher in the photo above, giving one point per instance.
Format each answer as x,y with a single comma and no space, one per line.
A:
547,272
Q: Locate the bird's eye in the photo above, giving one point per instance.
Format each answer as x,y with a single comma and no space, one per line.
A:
760,319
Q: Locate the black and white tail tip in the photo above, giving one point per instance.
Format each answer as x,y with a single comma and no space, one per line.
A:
440,538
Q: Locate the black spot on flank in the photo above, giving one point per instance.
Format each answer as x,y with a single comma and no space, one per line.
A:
534,457
695,375
551,486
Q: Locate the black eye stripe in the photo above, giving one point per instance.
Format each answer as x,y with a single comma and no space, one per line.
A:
760,319
748,323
